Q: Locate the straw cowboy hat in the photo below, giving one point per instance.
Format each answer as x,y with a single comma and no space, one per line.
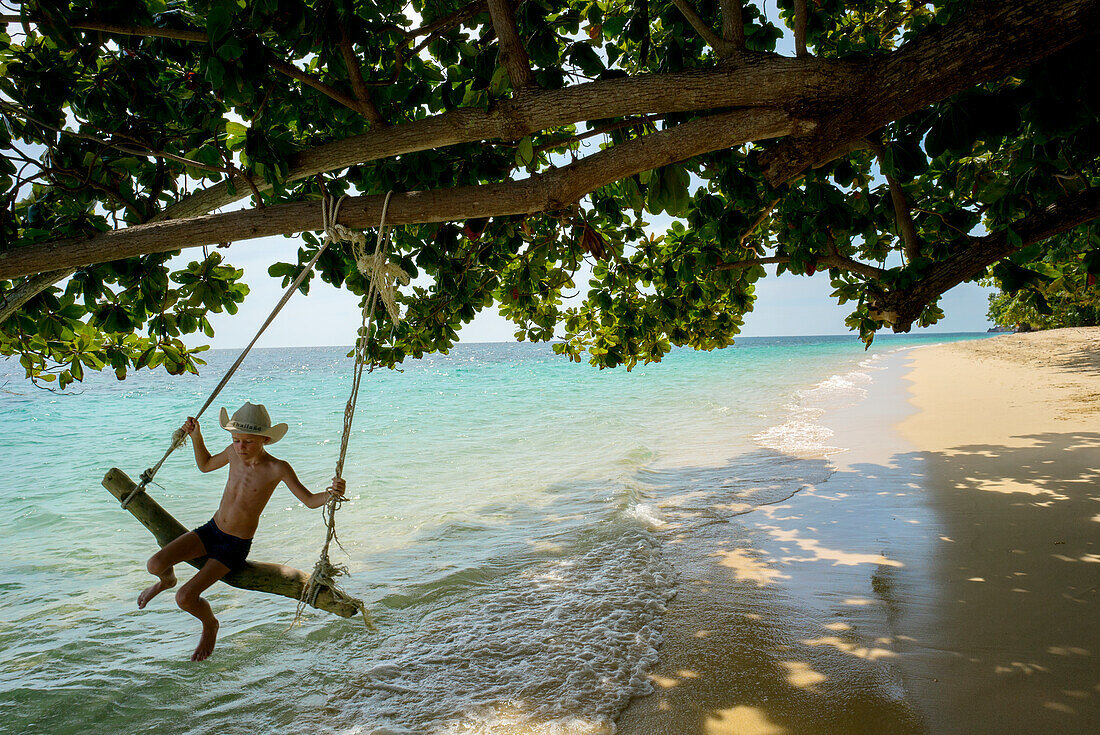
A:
252,419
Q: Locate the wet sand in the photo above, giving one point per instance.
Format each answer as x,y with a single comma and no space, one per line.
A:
942,576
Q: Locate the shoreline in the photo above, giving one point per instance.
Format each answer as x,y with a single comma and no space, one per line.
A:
833,611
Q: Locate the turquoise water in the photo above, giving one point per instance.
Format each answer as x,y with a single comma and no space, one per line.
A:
505,531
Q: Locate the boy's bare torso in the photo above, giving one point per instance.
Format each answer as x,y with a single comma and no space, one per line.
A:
247,492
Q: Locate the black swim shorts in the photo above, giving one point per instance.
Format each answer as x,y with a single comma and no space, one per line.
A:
230,550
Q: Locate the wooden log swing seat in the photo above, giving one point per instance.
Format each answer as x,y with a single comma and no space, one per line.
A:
319,589
276,579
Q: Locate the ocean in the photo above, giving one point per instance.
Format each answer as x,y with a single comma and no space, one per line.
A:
507,529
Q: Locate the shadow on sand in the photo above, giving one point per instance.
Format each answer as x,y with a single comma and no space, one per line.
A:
939,592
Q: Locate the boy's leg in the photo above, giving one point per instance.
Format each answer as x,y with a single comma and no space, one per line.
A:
188,598
160,564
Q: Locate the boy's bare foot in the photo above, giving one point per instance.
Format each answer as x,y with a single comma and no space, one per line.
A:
206,642
153,590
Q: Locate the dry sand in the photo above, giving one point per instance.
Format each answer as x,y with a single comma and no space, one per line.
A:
946,580
1010,428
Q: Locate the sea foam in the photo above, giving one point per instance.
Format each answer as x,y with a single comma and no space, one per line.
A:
555,647
802,434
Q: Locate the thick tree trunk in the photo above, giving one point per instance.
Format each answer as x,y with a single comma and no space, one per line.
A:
991,40
276,579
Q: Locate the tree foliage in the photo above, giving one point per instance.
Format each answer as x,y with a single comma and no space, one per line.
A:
1049,287
1013,310
906,148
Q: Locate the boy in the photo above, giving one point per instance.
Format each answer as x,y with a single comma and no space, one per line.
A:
226,538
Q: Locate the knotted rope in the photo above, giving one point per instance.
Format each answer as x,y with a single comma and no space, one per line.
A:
380,273
380,278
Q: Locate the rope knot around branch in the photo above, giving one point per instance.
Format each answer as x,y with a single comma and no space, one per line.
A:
375,266
385,275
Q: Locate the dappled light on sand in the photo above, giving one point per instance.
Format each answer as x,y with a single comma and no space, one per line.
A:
667,682
853,649
780,609
800,674
1011,462
747,567
742,721
1008,487
899,592
822,553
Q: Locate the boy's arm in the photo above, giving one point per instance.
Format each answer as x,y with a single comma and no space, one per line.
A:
203,458
309,499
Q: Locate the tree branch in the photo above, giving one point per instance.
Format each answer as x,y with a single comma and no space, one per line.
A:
750,262
733,25
902,308
175,34
451,20
801,15
601,130
440,28
513,56
362,93
942,219
913,5
151,152
14,299
770,82
276,63
851,146
309,80
721,46
902,215
550,191
834,260
757,222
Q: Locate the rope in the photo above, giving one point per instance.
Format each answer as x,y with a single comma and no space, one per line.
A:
379,282
381,273
329,212
381,277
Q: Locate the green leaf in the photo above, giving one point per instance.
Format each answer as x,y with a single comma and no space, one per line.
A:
1013,238
219,18
585,57
525,153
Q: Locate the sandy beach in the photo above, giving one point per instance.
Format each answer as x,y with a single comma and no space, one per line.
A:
941,576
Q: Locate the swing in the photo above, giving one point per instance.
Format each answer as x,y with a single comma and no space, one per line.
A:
319,589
